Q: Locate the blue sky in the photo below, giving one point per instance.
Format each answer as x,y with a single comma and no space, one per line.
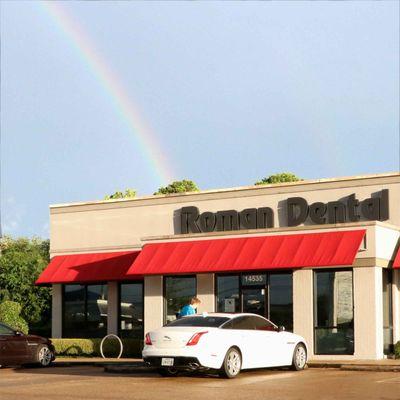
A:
233,91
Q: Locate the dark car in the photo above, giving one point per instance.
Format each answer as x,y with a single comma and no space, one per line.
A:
19,349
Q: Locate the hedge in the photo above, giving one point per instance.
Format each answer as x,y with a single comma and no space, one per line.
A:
397,349
91,347
10,315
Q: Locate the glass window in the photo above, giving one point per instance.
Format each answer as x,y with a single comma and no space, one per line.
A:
241,323
5,330
281,300
262,324
269,295
131,310
178,292
333,312
74,311
387,311
228,299
85,311
211,322
96,310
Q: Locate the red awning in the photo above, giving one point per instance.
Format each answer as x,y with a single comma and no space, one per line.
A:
396,262
85,268
251,253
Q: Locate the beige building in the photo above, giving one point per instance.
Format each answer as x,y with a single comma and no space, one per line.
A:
315,256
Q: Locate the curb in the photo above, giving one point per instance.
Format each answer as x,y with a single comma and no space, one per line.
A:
355,367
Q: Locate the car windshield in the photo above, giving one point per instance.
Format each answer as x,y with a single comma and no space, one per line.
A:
211,322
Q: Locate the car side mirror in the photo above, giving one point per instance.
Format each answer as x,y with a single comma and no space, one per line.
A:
18,333
281,328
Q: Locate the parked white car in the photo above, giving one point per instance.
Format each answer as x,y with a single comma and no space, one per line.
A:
228,343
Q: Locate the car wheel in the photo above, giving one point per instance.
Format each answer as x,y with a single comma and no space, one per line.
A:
299,361
171,372
44,356
232,364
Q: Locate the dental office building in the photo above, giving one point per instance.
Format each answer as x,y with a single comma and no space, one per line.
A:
318,257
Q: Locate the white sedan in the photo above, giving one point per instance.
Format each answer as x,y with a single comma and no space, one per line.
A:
224,342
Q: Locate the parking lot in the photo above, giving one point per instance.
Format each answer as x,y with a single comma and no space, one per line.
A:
93,383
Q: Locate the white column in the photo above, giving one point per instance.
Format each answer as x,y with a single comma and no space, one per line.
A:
396,305
368,313
205,292
153,302
303,306
56,311
112,308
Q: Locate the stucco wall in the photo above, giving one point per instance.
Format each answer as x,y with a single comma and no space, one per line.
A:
118,225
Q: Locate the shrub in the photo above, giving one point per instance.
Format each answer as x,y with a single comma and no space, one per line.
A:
279,178
397,349
91,347
10,315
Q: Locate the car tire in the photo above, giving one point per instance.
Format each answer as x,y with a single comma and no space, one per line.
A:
232,363
299,361
44,356
168,372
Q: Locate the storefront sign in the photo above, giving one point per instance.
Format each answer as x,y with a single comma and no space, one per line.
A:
298,211
254,280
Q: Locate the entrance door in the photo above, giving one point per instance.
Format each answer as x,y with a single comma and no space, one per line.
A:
254,300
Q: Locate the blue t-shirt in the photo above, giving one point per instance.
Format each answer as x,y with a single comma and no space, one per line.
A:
187,310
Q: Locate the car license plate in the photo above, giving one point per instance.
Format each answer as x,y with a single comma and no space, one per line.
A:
167,362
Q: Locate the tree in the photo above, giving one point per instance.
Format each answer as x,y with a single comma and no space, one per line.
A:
128,194
279,178
10,315
178,187
21,262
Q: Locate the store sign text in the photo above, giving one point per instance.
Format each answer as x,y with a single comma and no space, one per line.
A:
298,211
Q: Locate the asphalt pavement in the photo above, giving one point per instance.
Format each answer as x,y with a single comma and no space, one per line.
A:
91,382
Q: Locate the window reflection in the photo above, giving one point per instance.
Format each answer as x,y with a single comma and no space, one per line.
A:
85,311
131,310
178,292
281,300
333,312
228,294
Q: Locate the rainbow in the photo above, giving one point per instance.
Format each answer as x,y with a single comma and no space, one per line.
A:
124,106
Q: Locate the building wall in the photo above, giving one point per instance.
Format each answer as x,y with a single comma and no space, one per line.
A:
121,224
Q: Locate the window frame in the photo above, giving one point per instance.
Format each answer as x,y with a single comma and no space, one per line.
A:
85,285
119,303
315,271
165,305
267,286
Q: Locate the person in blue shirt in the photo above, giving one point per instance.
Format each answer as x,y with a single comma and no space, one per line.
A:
189,309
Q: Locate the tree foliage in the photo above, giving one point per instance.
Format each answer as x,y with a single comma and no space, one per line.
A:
128,194
10,314
21,262
182,186
279,178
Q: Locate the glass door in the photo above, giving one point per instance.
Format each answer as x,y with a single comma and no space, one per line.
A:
254,300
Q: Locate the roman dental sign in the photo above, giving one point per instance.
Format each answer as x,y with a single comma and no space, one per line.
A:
298,211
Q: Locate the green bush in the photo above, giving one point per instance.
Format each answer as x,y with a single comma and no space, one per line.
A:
91,347
397,349
10,315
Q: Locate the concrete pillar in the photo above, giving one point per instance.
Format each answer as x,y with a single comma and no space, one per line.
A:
368,313
303,306
153,303
396,305
205,292
113,308
56,311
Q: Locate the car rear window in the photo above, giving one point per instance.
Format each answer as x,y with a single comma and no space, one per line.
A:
211,322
